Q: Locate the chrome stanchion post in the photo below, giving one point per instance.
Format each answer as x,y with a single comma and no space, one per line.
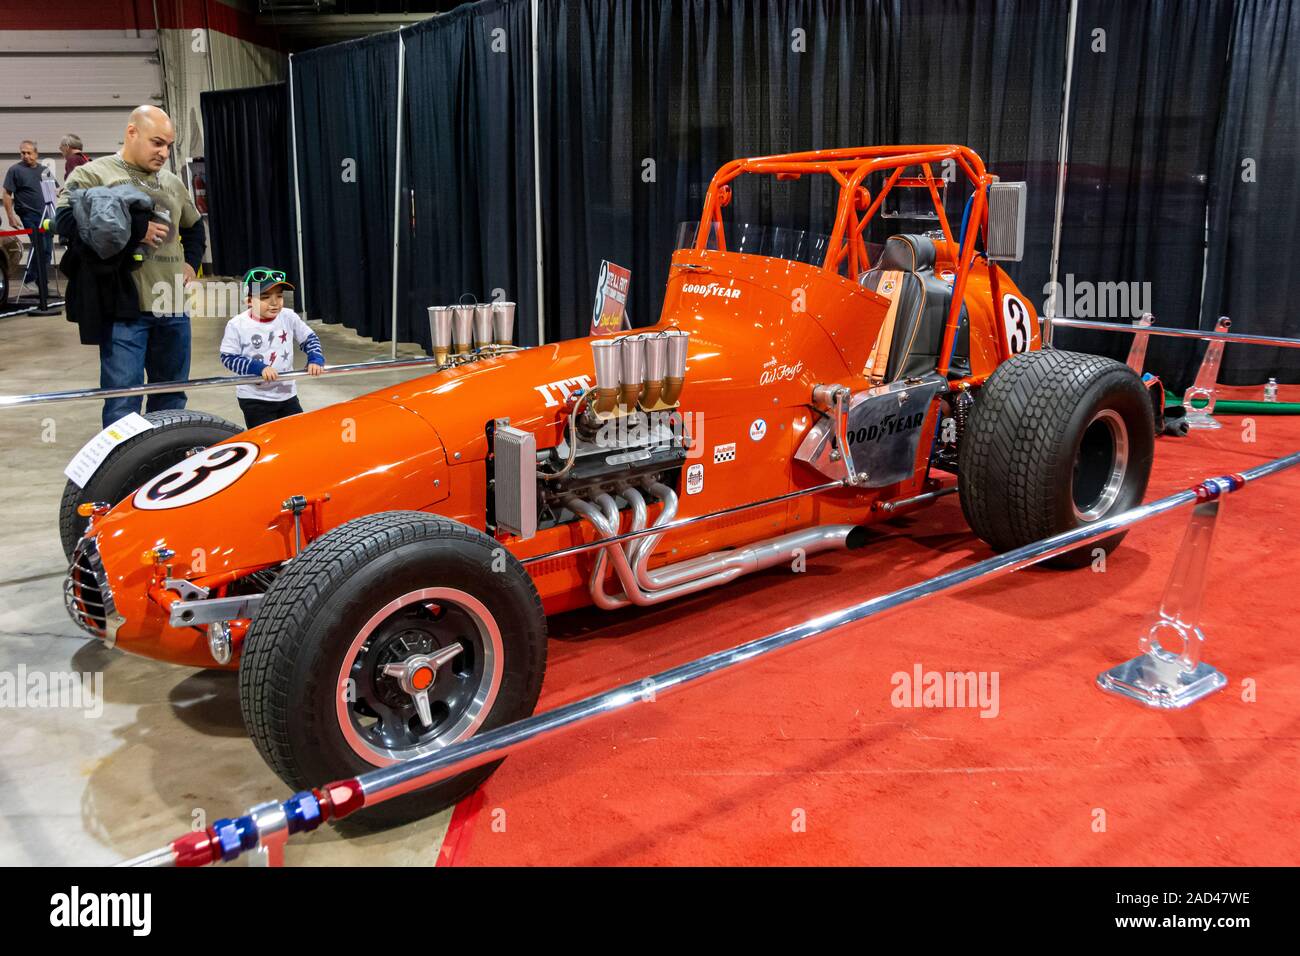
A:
1137,352
1160,677
1206,380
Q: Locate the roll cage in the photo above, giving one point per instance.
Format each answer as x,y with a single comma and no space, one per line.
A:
856,207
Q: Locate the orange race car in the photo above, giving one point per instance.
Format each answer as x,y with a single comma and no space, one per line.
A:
380,571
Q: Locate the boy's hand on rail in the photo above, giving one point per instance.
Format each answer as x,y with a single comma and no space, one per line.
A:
268,374
314,369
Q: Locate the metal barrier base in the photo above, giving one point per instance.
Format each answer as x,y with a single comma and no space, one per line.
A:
1161,682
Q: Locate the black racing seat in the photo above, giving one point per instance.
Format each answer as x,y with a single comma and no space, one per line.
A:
922,309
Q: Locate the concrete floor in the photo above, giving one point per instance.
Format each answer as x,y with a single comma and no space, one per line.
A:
169,748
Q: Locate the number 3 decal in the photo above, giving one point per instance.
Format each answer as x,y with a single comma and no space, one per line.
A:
200,476
1015,315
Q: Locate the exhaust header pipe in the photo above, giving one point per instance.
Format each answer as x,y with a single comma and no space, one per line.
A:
440,332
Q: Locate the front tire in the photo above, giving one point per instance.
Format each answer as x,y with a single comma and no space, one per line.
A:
1056,440
368,617
176,433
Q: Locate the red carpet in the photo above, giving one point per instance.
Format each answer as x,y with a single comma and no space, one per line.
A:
803,760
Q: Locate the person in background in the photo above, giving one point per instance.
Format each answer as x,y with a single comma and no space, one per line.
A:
260,341
158,339
24,202
70,147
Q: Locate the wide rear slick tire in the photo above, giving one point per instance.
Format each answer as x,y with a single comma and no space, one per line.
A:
341,647
128,466
1056,440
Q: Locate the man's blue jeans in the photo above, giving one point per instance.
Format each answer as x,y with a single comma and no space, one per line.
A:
155,344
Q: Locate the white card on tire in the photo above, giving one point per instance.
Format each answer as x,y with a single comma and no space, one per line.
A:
86,462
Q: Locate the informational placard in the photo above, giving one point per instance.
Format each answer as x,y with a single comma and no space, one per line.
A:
609,315
87,461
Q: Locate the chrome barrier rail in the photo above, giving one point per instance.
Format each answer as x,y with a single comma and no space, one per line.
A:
87,394
1205,387
1235,337
266,827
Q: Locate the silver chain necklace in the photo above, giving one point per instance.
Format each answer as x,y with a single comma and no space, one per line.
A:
156,184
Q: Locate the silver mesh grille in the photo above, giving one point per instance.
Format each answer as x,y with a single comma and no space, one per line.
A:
515,477
86,593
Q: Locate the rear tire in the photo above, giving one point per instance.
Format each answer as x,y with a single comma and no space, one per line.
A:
386,591
1056,440
128,466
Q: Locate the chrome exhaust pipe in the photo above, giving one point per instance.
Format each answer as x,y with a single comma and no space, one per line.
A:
503,323
644,587
440,332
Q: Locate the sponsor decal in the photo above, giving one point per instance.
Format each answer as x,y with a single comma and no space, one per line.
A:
724,453
199,476
888,426
757,430
694,479
609,314
775,371
712,289
1015,315
556,392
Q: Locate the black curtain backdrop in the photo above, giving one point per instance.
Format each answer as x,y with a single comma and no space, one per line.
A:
469,166
1181,110
989,75
250,185
346,109
686,86
1148,81
1254,244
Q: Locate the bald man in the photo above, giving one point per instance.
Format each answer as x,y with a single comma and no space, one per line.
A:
156,339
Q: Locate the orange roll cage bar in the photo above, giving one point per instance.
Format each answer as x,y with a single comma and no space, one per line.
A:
850,167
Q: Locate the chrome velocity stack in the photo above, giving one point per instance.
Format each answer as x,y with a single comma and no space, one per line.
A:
462,326
631,370
440,331
482,325
503,322
605,354
656,366
675,376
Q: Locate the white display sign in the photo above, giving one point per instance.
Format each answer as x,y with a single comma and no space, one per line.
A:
86,462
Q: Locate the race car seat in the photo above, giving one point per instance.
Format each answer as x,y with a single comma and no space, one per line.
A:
922,309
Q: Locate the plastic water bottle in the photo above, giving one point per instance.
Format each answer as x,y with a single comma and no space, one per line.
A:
1270,390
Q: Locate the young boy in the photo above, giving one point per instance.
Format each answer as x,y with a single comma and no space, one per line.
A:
260,340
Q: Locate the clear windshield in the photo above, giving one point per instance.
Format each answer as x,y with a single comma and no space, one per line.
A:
777,242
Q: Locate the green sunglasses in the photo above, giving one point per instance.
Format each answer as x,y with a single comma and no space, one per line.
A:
263,275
